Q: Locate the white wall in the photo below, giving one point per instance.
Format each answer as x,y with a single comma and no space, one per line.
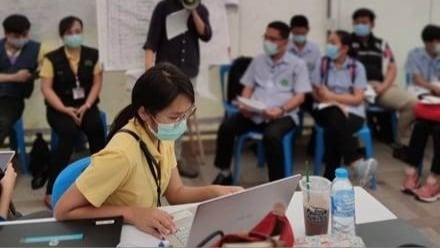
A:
399,21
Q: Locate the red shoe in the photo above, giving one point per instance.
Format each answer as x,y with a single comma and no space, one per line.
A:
410,184
428,193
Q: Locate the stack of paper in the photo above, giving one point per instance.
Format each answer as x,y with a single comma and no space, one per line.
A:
252,105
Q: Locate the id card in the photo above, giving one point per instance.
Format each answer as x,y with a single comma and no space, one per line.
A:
78,93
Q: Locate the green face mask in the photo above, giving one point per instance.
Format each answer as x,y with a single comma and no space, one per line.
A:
73,40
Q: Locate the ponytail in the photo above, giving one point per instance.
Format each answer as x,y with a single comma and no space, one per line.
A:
121,120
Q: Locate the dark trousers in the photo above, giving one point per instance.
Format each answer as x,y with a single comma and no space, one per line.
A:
419,138
67,132
11,109
273,133
339,140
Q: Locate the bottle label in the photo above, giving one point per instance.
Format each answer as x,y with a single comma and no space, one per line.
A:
343,203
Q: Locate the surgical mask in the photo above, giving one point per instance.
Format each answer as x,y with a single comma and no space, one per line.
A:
299,39
437,48
169,131
73,41
18,42
362,30
332,51
270,48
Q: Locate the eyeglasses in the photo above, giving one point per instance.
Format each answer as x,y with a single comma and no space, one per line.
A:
183,116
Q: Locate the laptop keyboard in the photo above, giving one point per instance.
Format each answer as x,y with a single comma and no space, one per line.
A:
183,220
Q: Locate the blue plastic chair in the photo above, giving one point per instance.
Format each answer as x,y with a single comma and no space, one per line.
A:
67,177
363,134
229,108
82,138
18,144
372,108
287,151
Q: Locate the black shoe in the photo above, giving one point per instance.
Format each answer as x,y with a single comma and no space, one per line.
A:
187,171
401,153
221,179
38,181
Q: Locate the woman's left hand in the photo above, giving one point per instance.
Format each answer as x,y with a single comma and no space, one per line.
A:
225,190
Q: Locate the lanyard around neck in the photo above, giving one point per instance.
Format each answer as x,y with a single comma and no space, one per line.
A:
152,164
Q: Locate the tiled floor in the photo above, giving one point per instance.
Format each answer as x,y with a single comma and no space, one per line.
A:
426,217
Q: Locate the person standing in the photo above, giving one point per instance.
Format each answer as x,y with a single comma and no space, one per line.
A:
71,83
182,51
19,60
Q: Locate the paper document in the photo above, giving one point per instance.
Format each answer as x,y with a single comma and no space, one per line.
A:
432,100
176,23
370,94
251,104
324,105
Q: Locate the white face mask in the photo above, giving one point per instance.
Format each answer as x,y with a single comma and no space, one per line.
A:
270,48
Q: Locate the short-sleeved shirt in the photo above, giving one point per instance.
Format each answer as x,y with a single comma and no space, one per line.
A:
119,173
340,80
183,50
421,63
47,67
276,83
309,53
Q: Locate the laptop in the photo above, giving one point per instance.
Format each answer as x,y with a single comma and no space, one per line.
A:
102,232
231,213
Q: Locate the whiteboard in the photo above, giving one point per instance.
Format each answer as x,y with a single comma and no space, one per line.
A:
123,27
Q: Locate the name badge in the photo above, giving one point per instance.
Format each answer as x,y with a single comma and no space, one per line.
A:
78,93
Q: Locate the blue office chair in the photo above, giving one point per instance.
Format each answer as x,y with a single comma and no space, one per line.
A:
18,144
82,138
287,150
229,108
363,134
67,177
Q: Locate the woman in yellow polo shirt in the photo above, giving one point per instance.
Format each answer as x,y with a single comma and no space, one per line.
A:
71,82
138,164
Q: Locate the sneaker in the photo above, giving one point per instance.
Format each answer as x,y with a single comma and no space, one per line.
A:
410,184
221,179
185,170
428,192
365,170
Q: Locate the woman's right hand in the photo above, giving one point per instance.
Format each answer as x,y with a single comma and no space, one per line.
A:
153,221
72,112
8,180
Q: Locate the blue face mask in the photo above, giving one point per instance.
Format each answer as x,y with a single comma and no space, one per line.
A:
437,48
332,51
169,131
18,42
298,39
73,41
362,30
270,48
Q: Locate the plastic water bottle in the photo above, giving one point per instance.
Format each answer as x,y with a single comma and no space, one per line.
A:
343,207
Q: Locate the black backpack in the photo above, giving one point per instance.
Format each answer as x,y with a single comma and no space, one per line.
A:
238,68
39,161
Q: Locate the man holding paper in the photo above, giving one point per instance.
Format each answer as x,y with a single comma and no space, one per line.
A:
173,37
278,80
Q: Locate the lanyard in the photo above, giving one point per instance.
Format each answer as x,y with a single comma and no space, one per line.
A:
152,164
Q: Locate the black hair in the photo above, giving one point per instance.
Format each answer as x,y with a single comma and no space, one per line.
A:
16,24
299,21
66,23
155,90
430,33
282,27
346,40
364,12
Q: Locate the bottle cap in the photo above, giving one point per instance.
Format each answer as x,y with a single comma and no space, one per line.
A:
341,173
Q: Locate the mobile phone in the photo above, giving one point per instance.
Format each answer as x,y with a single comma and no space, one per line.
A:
5,158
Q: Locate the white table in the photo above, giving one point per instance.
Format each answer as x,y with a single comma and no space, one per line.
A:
368,209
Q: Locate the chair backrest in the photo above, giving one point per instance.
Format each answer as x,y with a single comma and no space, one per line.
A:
67,177
224,70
